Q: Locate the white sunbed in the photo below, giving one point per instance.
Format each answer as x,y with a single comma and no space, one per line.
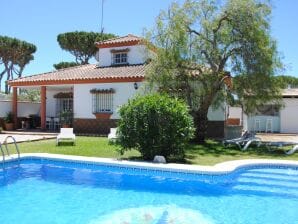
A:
293,150
66,134
244,141
279,144
113,134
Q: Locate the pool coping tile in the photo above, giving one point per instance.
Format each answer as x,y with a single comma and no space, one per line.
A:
220,168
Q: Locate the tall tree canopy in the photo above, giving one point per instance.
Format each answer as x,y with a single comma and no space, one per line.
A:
81,44
286,81
15,54
65,64
200,44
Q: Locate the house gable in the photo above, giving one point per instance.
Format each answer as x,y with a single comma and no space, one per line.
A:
127,50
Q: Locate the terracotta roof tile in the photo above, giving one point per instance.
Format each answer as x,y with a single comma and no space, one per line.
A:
84,72
126,40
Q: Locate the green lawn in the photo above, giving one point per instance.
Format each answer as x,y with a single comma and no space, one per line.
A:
209,154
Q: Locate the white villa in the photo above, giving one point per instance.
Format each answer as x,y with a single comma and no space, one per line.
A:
94,92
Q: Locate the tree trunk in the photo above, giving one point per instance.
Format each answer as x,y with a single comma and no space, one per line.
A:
1,76
201,124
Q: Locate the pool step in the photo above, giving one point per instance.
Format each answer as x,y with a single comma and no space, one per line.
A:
268,181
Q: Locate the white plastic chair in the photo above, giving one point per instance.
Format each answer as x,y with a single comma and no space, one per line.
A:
56,123
269,125
66,134
257,125
48,123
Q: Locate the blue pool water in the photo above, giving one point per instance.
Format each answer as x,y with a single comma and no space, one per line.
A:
46,191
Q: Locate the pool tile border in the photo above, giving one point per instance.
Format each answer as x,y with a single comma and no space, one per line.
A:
218,169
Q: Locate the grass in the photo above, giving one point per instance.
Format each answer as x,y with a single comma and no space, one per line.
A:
85,146
208,154
214,152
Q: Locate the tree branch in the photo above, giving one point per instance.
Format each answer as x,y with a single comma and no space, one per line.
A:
198,34
214,67
220,22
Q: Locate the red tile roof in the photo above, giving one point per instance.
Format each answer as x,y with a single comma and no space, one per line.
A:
84,74
128,40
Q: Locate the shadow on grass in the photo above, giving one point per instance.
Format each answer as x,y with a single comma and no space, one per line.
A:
216,149
133,158
66,144
213,152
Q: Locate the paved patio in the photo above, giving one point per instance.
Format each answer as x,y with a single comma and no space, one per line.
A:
276,137
24,137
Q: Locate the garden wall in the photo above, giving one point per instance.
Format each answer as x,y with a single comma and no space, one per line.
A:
24,109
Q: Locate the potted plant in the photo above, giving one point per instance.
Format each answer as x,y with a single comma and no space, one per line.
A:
8,121
66,119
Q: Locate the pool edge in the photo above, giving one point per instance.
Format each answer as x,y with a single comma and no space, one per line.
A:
220,168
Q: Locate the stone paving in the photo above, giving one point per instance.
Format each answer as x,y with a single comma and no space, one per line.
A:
25,137
276,137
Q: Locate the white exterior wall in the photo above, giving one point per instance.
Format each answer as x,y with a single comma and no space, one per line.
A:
235,112
289,116
51,103
217,114
83,98
5,107
24,108
137,54
245,122
123,92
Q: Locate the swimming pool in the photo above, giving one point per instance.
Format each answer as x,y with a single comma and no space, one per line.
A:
41,190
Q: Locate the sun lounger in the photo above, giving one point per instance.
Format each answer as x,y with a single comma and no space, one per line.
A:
293,150
113,134
66,134
244,141
279,144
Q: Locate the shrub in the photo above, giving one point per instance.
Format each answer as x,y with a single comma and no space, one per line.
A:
155,125
8,118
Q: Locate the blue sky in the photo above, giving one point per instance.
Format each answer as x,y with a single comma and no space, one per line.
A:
39,22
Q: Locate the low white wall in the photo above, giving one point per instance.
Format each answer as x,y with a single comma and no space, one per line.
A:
24,108
83,97
289,116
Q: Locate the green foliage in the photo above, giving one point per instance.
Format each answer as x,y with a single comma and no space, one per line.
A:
32,95
66,118
81,44
8,117
155,125
15,54
286,81
202,43
65,64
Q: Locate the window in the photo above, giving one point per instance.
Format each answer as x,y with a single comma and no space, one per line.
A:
267,110
102,100
119,58
64,104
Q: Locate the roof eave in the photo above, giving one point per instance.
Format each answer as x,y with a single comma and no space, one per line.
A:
117,44
75,81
